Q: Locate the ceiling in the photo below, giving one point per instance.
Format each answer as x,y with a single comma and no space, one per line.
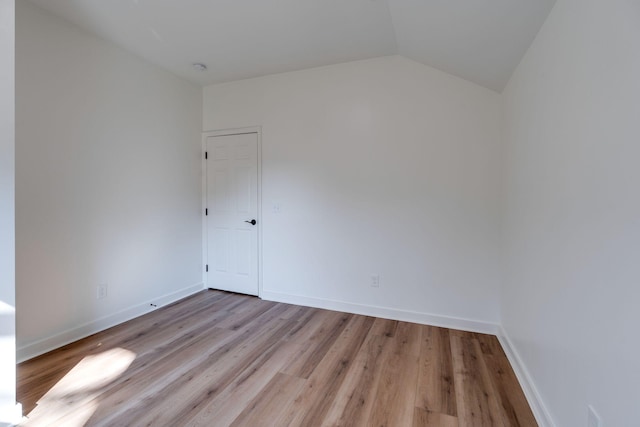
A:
478,40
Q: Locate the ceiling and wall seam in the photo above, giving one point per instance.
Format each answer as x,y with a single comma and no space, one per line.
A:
482,43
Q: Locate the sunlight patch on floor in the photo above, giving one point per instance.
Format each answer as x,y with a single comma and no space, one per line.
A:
79,389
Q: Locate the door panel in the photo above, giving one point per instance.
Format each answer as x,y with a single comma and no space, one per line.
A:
232,199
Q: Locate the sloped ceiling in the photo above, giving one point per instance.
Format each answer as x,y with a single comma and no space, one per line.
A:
478,40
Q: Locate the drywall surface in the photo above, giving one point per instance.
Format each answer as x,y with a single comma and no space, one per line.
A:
378,167
572,219
8,409
107,179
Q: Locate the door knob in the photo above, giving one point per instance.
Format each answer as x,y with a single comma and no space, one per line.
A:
252,222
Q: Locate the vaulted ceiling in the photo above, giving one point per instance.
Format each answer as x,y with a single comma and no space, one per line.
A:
478,40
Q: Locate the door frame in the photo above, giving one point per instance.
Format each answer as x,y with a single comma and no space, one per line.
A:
205,253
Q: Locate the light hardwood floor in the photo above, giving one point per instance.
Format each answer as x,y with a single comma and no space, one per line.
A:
221,359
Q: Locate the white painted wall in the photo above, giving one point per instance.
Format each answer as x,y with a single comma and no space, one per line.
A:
9,412
378,166
572,226
108,182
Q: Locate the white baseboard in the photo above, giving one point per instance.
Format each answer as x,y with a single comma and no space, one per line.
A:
386,312
540,411
42,346
10,415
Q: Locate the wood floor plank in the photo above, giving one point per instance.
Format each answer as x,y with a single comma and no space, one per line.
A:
436,389
149,374
217,359
294,312
190,391
305,320
312,404
385,327
515,409
396,388
234,389
274,399
475,396
424,418
238,396
249,312
166,371
142,376
318,342
355,398
181,333
43,371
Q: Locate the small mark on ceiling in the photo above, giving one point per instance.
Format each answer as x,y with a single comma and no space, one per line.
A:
156,35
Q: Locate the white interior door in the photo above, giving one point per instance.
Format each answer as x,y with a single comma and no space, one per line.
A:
232,209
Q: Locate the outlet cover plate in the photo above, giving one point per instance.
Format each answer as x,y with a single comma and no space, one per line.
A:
102,291
375,280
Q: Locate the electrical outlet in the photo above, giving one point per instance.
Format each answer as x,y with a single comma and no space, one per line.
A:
102,291
375,280
593,420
